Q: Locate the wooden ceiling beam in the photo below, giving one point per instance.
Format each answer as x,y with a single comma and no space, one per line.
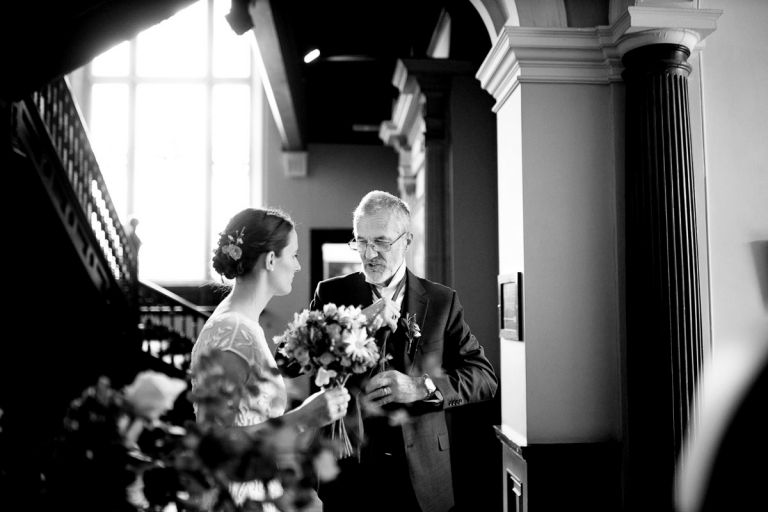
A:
279,73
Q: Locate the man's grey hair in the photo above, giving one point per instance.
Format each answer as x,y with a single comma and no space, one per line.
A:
378,201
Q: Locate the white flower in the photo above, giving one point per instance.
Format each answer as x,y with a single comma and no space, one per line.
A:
330,309
300,318
323,377
356,344
153,393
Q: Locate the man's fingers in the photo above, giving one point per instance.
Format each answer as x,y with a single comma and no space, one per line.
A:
381,396
384,401
385,378
373,385
377,392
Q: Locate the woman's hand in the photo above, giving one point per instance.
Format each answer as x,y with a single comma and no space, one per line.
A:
325,407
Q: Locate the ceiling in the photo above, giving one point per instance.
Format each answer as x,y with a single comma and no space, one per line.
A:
348,89
342,97
45,39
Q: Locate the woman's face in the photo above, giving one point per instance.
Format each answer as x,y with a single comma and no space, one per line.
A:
286,266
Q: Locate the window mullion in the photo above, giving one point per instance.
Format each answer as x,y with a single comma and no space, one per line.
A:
131,156
255,155
208,141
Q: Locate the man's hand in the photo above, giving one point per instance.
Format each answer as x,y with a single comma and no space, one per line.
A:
382,312
393,386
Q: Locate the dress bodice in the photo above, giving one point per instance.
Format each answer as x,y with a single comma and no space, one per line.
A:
236,333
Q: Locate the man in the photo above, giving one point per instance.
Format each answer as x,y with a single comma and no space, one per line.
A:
436,363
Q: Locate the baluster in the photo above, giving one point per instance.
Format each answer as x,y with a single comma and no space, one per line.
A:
56,108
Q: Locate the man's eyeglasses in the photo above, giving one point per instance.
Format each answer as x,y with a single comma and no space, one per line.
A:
361,245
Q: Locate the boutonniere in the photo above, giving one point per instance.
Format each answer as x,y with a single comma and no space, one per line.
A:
412,332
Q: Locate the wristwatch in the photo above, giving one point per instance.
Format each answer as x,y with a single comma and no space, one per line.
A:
431,388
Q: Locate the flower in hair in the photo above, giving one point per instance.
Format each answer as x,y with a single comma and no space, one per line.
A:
233,249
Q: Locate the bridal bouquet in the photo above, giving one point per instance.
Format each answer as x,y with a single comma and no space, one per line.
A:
330,345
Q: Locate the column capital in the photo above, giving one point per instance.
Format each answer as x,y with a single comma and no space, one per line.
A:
586,55
405,113
654,59
642,26
418,81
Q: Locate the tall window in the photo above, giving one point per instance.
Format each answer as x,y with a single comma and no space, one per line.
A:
175,120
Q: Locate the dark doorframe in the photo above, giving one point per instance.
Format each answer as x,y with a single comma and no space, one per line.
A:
318,237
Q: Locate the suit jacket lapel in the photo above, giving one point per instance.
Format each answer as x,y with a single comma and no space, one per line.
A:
360,293
417,304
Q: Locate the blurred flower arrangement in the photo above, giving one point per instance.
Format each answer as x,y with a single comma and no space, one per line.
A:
330,345
118,452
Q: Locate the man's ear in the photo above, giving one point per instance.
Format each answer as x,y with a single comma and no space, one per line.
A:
269,261
408,239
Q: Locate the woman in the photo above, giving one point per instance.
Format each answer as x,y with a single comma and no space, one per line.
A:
258,250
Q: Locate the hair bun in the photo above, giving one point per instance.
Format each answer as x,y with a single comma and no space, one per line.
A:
249,234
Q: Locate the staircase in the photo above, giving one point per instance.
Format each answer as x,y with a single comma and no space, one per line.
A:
78,309
47,132
168,327
75,308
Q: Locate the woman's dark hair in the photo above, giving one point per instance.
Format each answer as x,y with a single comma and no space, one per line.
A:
249,234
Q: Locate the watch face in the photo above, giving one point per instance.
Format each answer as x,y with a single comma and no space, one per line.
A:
429,384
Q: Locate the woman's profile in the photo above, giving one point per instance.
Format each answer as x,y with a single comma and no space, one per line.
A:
258,250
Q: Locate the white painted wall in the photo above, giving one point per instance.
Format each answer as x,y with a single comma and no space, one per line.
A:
734,74
338,176
559,223
511,257
572,284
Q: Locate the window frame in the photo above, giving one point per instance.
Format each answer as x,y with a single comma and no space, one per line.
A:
256,123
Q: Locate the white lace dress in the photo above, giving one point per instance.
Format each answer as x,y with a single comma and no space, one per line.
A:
240,335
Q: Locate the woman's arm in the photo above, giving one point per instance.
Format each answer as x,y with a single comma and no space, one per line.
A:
319,409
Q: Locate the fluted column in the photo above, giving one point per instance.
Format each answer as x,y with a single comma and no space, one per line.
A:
664,333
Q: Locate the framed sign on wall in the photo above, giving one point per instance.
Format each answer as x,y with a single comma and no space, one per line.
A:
511,306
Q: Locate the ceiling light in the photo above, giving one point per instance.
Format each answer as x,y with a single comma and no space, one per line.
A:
365,127
312,55
349,58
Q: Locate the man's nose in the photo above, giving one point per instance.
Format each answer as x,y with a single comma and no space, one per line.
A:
370,252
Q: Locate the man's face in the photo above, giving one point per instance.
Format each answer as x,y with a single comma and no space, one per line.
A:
380,266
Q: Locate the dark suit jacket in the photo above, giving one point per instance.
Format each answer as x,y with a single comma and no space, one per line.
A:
464,374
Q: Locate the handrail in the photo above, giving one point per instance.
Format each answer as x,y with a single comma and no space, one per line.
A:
169,325
49,131
168,297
